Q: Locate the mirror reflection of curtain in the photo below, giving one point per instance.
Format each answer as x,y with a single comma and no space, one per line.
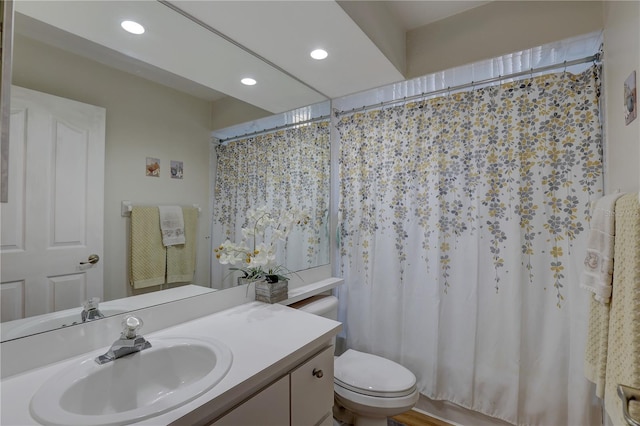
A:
463,239
283,169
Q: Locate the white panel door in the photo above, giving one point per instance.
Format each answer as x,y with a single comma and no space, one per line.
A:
53,219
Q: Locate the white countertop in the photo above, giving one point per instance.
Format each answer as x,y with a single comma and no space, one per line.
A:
266,341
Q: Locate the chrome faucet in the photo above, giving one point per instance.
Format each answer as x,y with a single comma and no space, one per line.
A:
129,342
90,310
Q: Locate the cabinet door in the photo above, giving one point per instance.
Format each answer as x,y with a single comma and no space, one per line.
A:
312,389
270,407
328,421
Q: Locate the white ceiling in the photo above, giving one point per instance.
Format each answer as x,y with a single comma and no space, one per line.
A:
267,40
285,32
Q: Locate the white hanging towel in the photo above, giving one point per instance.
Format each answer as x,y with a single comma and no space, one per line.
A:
171,225
598,264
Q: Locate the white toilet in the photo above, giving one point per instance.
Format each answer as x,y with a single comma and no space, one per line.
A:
367,388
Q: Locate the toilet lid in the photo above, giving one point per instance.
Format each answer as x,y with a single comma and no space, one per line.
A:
372,375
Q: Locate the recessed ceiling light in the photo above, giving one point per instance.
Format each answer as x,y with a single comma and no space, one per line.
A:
132,27
319,54
248,81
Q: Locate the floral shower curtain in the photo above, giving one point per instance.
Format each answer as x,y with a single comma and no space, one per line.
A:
463,234
281,170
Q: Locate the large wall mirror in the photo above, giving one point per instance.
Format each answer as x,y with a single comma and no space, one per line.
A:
158,98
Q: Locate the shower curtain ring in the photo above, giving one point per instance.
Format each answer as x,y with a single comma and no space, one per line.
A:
422,100
565,68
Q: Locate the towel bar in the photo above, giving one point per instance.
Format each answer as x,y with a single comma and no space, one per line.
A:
628,394
127,206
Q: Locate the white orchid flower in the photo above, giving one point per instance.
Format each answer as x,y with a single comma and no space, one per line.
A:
248,232
280,234
230,258
231,253
262,256
261,233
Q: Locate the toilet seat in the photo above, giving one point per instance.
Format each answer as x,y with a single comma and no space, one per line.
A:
373,376
373,393
374,406
367,404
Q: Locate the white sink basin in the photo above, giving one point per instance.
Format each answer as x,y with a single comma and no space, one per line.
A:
145,384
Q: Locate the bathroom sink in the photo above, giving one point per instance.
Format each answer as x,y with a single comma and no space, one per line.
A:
130,389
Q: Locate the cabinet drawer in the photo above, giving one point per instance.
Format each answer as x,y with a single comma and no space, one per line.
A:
312,389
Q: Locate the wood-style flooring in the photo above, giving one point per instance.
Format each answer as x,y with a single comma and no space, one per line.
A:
415,418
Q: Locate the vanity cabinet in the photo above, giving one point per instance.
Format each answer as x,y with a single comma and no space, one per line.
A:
304,397
270,407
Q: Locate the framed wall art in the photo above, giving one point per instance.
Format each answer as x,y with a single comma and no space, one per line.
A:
630,99
176,169
152,167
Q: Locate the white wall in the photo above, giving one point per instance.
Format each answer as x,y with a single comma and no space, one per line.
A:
382,27
144,119
228,111
621,57
495,29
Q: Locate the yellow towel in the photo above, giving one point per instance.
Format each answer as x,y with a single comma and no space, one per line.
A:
148,255
181,259
623,356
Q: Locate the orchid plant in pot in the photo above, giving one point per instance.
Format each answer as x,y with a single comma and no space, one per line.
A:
255,254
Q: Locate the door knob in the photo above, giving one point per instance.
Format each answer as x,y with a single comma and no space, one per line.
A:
93,259
317,373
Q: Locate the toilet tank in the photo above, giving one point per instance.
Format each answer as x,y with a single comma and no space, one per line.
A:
325,306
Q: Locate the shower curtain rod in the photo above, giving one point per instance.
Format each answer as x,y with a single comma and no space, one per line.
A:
592,58
273,129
